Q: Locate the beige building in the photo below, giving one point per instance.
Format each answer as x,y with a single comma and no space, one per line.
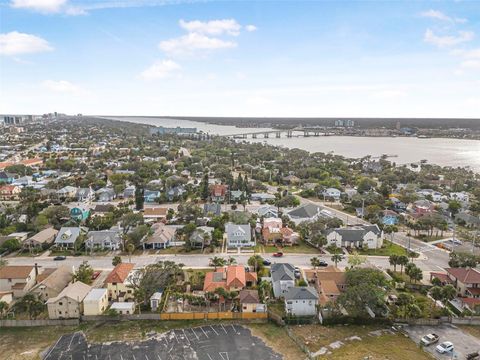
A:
123,308
250,302
18,279
96,302
53,283
44,237
117,283
68,304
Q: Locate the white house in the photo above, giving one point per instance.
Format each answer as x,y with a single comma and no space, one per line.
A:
356,236
283,278
123,308
301,301
239,235
332,193
155,300
460,196
307,212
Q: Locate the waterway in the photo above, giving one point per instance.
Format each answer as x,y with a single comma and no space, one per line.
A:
445,152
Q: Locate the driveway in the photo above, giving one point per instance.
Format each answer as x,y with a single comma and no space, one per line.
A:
464,343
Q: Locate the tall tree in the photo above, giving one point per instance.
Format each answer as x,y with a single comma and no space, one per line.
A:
84,273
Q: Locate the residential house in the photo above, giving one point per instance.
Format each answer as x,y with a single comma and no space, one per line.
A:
218,193
96,302
465,280
462,196
155,300
67,236
41,239
398,205
389,217
267,211
467,220
291,179
85,194
6,297
69,303
231,278
250,302
289,237
53,283
106,195
237,195
356,236
129,192
436,196
422,207
163,235
123,308
117,283
10,192
283,278
104,240
17,279
214,209
332,193
330,282
155,213
201,237
6,178
175,193
307,212
239,235
262,197
102,209
301,301
271,232
67,192
151,196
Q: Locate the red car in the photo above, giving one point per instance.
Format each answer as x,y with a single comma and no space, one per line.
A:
278,254
95,275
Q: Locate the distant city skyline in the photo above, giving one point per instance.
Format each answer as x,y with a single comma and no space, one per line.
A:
212,58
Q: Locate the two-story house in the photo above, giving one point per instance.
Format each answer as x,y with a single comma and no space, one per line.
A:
17,279
283,278
69,303
117,283
301,301
356,236
239,235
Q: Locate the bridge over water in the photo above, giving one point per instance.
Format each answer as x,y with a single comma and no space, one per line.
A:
295,132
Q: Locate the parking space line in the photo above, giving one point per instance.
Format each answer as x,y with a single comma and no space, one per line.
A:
174,333
54,346
195,334
204,332
134,358
215,331
224,358
186,336
159,358
146,357
209,356
223,328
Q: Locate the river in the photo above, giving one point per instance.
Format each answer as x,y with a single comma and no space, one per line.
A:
445,152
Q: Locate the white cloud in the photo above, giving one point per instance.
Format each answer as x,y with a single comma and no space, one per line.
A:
448,40
16,43
43,6
61,86
160,70
250,28
212,27
389,94
470,64
438,15
187,44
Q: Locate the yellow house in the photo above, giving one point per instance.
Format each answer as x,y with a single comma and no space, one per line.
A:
250,302
68,304
117,283
96,302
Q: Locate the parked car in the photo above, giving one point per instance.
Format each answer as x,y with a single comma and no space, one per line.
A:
473,356
444,347
322,263
278,254
59,258
297,274
267,262
429,339
95,275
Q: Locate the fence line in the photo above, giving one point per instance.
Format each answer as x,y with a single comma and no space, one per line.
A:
39,322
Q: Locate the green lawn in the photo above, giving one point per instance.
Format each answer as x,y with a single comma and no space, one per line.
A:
301,248
388,249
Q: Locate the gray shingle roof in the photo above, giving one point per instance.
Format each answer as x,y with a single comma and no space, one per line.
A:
301,293
305,211
282,272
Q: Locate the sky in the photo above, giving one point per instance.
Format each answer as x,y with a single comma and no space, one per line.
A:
239,58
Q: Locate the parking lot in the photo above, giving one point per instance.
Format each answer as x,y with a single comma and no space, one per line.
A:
464,343
215,342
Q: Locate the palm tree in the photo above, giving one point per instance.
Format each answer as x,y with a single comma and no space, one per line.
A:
217,262
130,250
3,263
265,289
231,260
315,262
448,293
3,307
336,258
393,260
402,261
256,261
436,294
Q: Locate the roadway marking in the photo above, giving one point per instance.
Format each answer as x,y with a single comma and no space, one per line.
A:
54,346
223,328
209,356
176,336
159,358
204,332
186,336
226,354
134,358
213,330
146,357
195,334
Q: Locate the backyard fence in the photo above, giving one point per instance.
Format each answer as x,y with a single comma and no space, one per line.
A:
214,316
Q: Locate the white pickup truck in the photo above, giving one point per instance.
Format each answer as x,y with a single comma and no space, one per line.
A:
429,339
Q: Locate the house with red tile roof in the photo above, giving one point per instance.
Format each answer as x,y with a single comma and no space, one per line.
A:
465,280
9,192
218,192
117,283
230,278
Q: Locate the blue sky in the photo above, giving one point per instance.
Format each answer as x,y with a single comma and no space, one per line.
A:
219,58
